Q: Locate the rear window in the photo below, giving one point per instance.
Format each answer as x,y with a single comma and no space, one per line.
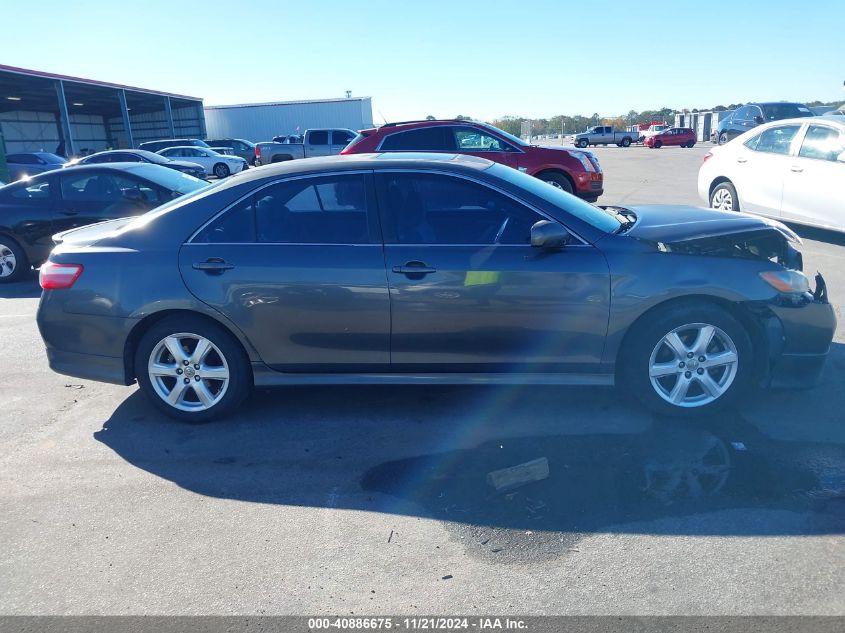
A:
169,178
435,138
778,111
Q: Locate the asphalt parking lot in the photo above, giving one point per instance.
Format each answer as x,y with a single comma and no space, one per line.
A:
373,500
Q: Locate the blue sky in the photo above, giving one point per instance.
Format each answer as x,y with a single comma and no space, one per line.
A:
484,59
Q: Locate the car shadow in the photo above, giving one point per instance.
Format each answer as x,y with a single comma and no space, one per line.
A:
27,288
503,461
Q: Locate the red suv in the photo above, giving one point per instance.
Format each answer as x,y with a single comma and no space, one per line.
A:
682,136
575,171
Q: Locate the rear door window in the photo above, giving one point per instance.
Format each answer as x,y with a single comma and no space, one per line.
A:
822,143
776,140
437,138
319,137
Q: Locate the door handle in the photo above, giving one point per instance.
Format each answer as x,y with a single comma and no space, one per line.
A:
741,160
796,169
414,268
213,265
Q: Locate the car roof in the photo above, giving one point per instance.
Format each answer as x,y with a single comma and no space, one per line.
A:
186,147
804,119
352,162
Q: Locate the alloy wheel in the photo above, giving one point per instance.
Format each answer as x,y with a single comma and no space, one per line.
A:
722,200
188,372
8,261
693,365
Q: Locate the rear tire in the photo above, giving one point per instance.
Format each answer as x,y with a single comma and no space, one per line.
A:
626,142
724,197
14,263
658,144
557,180
661,363
192,369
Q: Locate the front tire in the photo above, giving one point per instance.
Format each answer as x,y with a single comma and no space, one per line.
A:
221,170
557,180
724,197
192,369
583,143
13,261
723,138
658,144
688,359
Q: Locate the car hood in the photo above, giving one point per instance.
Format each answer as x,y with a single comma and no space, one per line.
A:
185,164
672,224
557,148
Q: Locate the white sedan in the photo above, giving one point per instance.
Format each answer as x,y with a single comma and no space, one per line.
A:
792,170
213,163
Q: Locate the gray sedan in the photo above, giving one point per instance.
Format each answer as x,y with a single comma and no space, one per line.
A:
429,269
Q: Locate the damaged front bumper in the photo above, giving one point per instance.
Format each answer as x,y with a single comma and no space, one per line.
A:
800,331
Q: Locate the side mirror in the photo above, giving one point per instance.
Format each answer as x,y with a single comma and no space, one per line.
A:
546,234
758,120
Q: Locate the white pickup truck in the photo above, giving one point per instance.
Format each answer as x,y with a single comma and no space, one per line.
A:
317,142
603,135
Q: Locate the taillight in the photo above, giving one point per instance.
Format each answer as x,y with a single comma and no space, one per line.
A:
708,156
54,276
257,152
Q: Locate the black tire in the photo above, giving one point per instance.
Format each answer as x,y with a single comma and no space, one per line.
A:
724,197
14,263
691,144
723,138
557,180
583,143
234,359
221,170
642,342
658,144
626,142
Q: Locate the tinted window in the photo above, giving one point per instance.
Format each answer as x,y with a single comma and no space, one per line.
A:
125,157
38,190
329,210
437,138
320,137
97,159
23,159
102,187
472,139
236,226
341,138
823,143
436,209
778,111
170,179
742,114
777,140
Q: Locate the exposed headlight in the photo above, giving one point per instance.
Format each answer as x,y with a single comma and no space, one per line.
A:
786,281
585,161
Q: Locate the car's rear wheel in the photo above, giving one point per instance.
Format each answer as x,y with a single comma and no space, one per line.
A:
687,359
557,180
724,197
221,170
691,144
192,369
723,138
658,144
626,142
583,143
13,261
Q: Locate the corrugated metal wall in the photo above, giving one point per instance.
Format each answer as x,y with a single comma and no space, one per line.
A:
26,131
152,126
263,122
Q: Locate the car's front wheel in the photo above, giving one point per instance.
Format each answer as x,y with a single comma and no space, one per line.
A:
689,358
221,170
583,143
192,369
724,198
723,138
557,180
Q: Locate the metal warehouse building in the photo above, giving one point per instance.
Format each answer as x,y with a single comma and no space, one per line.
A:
55,113
262,121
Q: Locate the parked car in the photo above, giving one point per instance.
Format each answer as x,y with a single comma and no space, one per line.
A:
24,164
792,170
573,170
681,136
140,156
31,211
750,116
603,135
156,146
213,163
226,151
240,147
317,142
409,268
651,130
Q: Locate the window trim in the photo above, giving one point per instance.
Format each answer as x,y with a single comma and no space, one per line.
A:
255,191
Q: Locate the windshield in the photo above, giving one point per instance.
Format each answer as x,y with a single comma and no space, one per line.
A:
778,111
513,139
584,211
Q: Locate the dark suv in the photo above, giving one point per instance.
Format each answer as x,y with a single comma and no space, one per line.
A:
156,146
241,147
750,116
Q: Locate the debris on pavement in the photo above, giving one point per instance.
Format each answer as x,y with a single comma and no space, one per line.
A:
519,475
